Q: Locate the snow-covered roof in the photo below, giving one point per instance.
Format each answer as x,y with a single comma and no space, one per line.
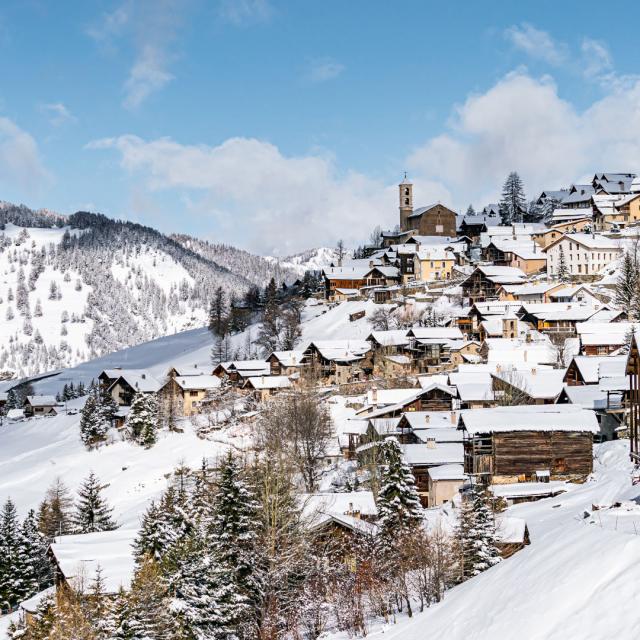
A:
540,385
425,333
447,472
475,391
78,556
436,378
426,455
342,350
42,401
391,338
263,383
510,530
431,419
288,358
440,434
338,503
587,396
192,383
545,417
380,397
139,380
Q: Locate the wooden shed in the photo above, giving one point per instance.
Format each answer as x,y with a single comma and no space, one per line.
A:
517,444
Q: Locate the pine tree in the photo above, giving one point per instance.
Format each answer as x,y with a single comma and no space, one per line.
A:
33,568
234,536
563,271
217,314
94,425
513,203
470,211
55,511
92,511
398,502
142,422
11,586
628,282
268,335
475,535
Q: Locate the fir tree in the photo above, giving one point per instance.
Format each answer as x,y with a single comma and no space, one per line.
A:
93,423
627,284
142,422
234,535
563,271
33,567
92,511
470,211
398,501
11,586
513,203
475,535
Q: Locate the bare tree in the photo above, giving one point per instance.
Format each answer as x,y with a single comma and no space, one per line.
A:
303,424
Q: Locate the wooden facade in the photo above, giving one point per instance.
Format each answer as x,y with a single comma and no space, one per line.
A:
633,400
516,456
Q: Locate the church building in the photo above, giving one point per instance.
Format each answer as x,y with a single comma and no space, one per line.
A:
432,220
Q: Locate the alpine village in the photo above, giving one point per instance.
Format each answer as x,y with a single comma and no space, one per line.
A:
444,417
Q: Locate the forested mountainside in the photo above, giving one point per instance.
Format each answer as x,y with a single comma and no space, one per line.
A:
76,287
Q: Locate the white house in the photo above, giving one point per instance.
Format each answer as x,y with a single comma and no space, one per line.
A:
583,254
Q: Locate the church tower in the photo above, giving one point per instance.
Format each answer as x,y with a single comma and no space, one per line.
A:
406,203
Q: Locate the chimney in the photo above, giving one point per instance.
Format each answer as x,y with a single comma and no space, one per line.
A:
525,355
534,371
431,443
374,395
427,419
144,376
453,417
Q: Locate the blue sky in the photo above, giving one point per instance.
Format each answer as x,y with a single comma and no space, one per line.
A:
279,125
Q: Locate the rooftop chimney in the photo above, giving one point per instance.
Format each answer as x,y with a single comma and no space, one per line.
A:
453,417
374,395
431,443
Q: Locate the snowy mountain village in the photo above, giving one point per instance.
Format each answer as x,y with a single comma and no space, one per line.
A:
435,434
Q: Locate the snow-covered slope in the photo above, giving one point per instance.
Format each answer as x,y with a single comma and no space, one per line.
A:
310,260
578,579
72,289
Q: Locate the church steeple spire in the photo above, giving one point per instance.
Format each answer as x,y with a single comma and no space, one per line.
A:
406,202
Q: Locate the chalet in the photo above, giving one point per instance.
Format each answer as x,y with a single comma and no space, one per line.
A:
557,317
285,363
238,371
430,347
512,535
436,397
579,196
531,387
530,292
435,487
521,254
183,394
347,277
523,443
432,220
76,558
340,361
481,311
545,237
584,370
357,504
581,254
484,282
129,383
463,351
603,338
267,386
40,406
443,483
612,183
474,226
577,294
517,352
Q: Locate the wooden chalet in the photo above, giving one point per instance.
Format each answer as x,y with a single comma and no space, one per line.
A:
523,443
435,397
338,361
556,317
40,406
238,372
285,363
182,395
485,281
131,382
430,347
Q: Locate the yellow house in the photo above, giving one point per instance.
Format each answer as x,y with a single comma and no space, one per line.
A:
433,263
629,209
528,260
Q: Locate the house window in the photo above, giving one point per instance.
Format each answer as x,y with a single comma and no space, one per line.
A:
193,394
439,228
560,465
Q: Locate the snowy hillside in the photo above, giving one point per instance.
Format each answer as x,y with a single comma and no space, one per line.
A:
73,289
260,269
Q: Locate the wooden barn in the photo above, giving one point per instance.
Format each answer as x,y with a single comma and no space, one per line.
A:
524,443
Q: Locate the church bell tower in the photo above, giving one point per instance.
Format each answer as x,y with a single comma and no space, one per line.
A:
406,203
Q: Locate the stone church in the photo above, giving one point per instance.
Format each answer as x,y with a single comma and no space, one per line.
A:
432,220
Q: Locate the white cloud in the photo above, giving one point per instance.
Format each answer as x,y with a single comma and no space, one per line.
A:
150,27
323,69
596,56
259,197
245,12
57,113
522,124
20,162
536,43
